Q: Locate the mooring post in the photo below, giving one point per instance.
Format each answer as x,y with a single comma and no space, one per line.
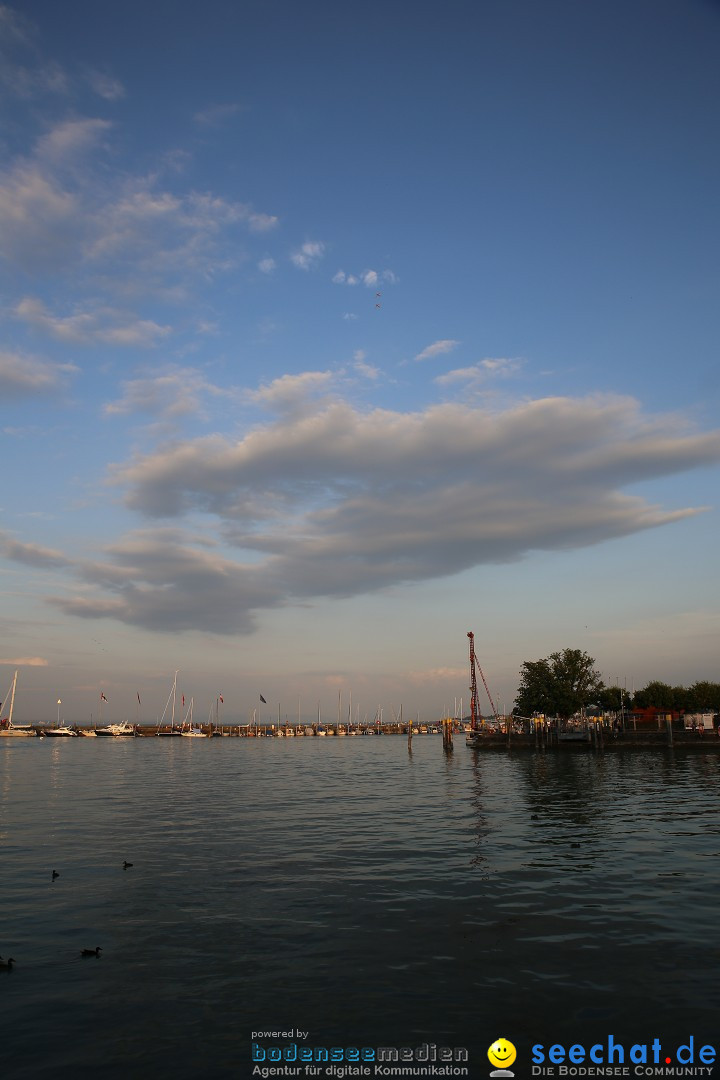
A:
668,722
447,735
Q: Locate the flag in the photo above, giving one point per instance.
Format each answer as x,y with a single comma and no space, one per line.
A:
102,696
221,698
139,701
263,700
183,701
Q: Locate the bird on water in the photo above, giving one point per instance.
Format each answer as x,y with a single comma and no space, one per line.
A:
6,965
55,874
127,865
91,952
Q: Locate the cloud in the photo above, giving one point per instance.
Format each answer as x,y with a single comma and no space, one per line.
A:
25,661
482,371
170,394
370,278
214,116
27,376
326,500
30,554
438,348
105,86
59,207
70,139
105,326
309,255
157,580
266,266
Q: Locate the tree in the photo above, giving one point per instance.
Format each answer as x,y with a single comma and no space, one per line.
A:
561,685
656,695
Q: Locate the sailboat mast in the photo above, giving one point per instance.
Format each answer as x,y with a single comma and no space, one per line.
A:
174,694
12,699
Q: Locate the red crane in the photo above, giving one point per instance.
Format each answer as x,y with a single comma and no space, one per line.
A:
475,715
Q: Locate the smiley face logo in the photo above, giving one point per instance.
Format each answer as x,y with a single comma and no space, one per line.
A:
502,1053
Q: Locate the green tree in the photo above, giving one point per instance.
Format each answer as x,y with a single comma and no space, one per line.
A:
656,695
614,698
561,685
704,697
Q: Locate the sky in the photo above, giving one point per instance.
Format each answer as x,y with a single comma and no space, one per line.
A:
331,332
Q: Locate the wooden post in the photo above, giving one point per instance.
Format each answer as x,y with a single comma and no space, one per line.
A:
668,722
447,735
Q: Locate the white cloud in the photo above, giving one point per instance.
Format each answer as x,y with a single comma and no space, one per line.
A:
370,278
170,394
438,348
266,266
59,207
105,326
309,255
482,371
70,139
105,86
27,376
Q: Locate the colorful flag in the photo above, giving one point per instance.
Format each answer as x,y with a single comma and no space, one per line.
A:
221,698
102,696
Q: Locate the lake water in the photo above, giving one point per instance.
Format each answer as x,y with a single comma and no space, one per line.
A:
344,887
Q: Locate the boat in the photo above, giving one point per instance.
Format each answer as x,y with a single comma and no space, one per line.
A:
116,731
61,732
7,728
171,696
188,731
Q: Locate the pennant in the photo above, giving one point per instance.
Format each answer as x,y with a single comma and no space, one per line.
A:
102,696
263,700
139,701
222,699
183,701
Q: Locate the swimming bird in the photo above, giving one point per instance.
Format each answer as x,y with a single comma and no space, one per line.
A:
91,952
127,865
6,965
55,874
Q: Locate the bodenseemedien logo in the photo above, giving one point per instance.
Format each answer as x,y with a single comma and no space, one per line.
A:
501,1054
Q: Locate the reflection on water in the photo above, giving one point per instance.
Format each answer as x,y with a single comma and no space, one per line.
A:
348,888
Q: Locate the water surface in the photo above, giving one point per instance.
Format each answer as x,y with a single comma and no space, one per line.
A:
345,887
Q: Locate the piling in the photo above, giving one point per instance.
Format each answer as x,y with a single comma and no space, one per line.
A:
447,735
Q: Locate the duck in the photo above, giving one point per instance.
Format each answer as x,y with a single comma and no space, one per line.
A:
55,874
6,965
127,865
91,952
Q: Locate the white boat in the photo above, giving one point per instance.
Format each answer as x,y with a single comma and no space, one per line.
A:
115,731
61,732
7,728
188,731
171,696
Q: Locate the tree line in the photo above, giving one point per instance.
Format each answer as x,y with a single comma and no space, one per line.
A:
567,682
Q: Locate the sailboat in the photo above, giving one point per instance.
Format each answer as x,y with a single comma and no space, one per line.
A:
171,696
191,732
7,728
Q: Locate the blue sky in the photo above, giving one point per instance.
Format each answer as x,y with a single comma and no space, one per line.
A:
331,332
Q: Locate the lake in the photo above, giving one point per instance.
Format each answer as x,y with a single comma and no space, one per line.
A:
364,895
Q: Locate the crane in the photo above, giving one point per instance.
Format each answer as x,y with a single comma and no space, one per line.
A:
475,715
